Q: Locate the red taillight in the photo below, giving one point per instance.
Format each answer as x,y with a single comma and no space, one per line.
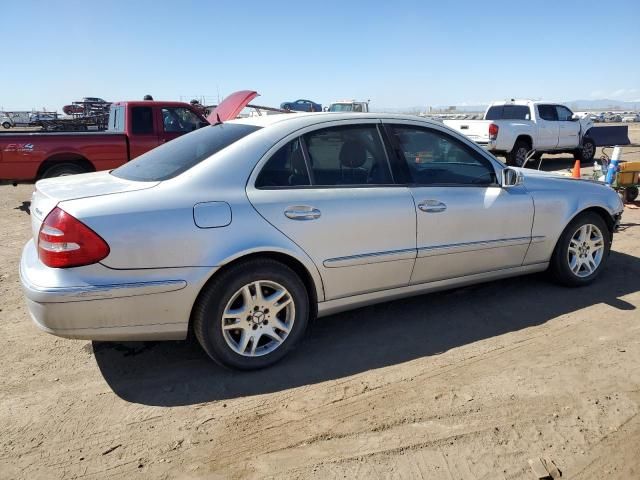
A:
493,131
65,241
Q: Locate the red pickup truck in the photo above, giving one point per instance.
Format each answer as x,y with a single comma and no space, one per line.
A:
134,128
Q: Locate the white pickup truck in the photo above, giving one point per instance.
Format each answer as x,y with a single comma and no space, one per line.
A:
517,127
348,106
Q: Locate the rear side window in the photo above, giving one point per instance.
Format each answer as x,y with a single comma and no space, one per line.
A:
141,120
347,155
286,168
179,155
508,112
548,112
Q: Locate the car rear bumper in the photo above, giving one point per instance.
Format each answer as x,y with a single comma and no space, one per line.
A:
98,303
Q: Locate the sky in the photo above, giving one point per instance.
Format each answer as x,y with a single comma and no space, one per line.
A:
398,54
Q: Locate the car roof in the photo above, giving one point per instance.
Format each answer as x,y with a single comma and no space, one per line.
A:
309,118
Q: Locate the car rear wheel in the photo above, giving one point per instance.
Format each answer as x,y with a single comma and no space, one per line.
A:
582,250
6,125
518,155
63,169
251,315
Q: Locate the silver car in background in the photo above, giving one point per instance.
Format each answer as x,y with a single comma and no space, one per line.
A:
246,230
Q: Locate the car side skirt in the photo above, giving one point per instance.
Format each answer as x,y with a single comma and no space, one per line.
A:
342,304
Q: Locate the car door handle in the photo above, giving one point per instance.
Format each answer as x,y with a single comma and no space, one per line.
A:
302,212
432,206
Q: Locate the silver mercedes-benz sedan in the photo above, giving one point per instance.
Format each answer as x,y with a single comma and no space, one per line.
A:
244,231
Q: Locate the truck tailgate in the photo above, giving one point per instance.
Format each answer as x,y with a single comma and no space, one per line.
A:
476,130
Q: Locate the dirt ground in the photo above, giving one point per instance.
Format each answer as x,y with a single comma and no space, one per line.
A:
466,384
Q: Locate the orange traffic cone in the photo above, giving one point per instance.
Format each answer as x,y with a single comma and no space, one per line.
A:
576,169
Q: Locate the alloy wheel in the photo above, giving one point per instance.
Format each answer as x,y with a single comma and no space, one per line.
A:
588,150
585,251
258,318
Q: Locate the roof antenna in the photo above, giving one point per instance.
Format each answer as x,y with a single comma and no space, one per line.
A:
218,121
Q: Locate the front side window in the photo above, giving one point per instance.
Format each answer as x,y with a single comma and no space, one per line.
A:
179,120
141,120
548,112
179,155
347,155
285,168
436,158
564,114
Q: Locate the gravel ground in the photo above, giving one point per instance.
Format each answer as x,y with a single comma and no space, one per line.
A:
465,384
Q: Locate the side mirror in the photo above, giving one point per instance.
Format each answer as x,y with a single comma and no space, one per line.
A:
511,177
575,118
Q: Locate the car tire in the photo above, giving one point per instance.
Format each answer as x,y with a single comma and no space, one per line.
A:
224,303
587,151
582,250
630,194
518,154
63,169
6,125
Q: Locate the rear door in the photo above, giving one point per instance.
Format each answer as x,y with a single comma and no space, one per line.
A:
331,191
548,130
142,130
466,223
568,130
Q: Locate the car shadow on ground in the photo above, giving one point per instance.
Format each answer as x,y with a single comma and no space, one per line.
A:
179,373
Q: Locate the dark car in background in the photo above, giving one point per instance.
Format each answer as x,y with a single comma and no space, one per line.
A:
302,105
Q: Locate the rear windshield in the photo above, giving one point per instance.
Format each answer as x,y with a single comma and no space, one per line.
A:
508,112
179,155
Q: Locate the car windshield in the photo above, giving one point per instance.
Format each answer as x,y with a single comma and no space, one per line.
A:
181,154
341,107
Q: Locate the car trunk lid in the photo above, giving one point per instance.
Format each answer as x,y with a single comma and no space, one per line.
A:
48,193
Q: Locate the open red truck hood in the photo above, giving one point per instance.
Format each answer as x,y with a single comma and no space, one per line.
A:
231,106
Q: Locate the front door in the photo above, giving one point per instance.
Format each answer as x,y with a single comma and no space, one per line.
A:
331,191
568,130
547,123
466,223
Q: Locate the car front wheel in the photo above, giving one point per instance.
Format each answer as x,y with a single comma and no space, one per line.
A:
587,151
582,250
252,314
